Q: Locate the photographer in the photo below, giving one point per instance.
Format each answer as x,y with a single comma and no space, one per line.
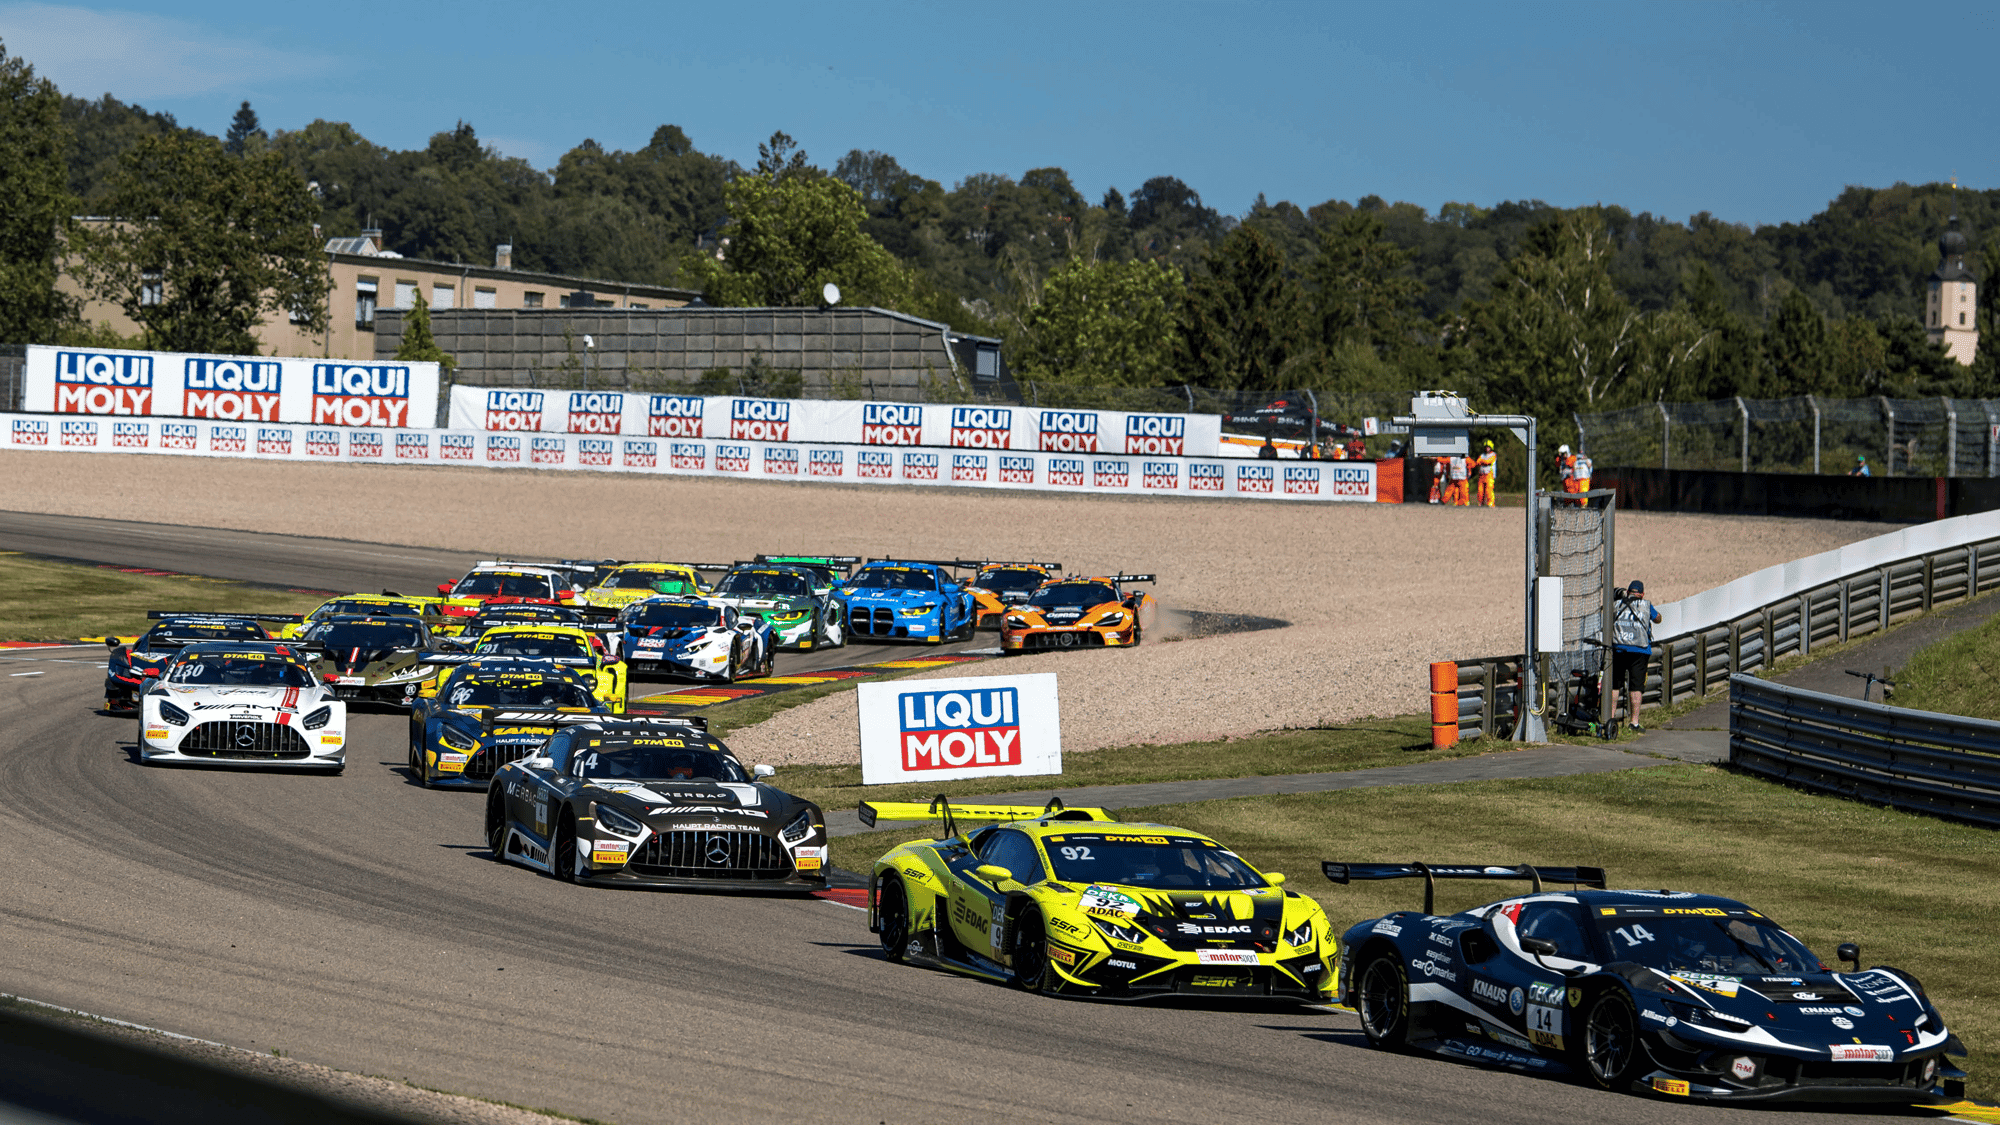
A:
1631,647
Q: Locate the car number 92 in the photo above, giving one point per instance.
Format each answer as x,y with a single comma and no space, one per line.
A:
1076,853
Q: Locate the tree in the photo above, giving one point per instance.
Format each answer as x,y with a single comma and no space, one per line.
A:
202,244
1102,324
1557,336
418,345
1240,323
789,235
35,206
781,156
1361,294
1799,349
244,135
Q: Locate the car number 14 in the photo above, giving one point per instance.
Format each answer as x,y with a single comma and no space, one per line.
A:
1634,935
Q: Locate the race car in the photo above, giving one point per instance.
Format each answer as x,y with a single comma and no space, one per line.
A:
617,584
907,600
581,647
652,803
385,604
463,632
128,667
783,596
495,710
371,659
499,581
242,703
1069,901
996,586
1079,612
829,571
668,635
1684,994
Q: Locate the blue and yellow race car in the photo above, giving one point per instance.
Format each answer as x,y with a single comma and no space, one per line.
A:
495,710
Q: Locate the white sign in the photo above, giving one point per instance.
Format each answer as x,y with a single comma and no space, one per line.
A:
243,390
940,730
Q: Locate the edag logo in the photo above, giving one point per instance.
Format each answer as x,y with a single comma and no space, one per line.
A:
875,464
227,439
1205,478
130,435
413,447
322,443
177,435
1017,470
1066,471
824,462
454,447
503,448
920,466
1157,434
274,441
642,454
1255,478
236,389
1350,480
969,467
1111,474
891,423
362,443
732,458
513,410
672,416
1160,474
98,383
31,431
596,412
79,431
1069,431
982,427
355,394
547,450
593,451
944,730
688,455
759,419
782,459
1302,480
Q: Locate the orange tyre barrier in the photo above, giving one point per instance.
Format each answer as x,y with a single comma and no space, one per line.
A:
1444,704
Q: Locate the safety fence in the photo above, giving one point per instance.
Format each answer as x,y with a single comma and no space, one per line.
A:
1935,437
1917,761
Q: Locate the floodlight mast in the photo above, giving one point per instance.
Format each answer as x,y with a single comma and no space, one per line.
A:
1530,728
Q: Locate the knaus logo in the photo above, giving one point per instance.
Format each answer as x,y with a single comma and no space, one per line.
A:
759,419
873,463
1302,480
513,410
31,431
1157,434
1160,474
322,443
454,447
732,458
982,427
1111,474
891,423
233,389
1017,470
968,467
98,383
642,454
1255,478
672,416
593,451
130,435
1066,470
274,441
361,443
920,466
503,447
596,412
1205,478
781,459
79,431
950,729
547,450
355,394
227,439
1069,431
824,462
688,455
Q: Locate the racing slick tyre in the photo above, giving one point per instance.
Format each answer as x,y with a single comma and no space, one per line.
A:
1612,1054
562,855
496,822
417,764
730,670
1382,1000
892,915
770,662
1028,952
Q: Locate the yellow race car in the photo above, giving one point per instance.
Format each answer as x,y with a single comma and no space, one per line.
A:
1070,901
572,646
1079,613
999,586
384,604
619,584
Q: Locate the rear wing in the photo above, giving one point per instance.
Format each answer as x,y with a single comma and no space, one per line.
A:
941,808
811,560
1134,578
978,563
171,615
500,717
947,564
1344,873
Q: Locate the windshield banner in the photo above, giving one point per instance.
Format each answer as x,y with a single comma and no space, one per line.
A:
940,730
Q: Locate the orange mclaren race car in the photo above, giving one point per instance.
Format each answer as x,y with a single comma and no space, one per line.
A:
998,585
1079,613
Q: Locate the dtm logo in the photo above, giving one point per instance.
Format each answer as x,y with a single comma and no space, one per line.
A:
872,463
274,441
413,447
982,427
177,435
352,394
968,466
642,454
513,410
593,451
31,431
227,439
1066,470
547,450
130,435
1205,478
361,443
79,431
920,466
948,729
232,389
1351,480
1157,434
673,416
732,458
1069,431
1160,474
97,383
1255,478
891,423
1111,474
781,459
1302,480
322,443
1017,470
503,447
688,455
596,412
760,419
454,447
824,462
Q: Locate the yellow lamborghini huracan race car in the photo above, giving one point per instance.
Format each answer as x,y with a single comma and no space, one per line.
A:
1079,613
620,584
1070,901
372,605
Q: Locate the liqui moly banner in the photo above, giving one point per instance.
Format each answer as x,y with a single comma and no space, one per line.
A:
243,389
940,730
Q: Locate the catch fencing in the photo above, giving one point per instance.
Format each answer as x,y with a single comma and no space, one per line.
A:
1917,761
1933,437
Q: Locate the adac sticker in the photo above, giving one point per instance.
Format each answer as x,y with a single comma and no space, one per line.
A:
1108,901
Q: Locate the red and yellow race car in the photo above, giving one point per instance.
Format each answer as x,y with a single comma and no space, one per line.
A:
1079,612
996,586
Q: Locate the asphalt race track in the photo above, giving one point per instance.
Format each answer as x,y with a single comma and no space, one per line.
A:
357,922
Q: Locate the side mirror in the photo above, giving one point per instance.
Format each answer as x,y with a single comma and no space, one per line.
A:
992,874
1540,947
111,642
760,771
537,763
1274,878
1850,953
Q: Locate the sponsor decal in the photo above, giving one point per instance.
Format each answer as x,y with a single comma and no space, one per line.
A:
1017,470
874,464
1545,1022
1485,990
514,410
1743,1068
982,427
1721,986
1066,471
228,439
1255,478
672,416
1126,965
1107,902
1205,478
1576,997
1824,1011
1854,1011
454,447
233,389
503,447
130,435
274,440
1225,957
330,739
1843,1023
759,419
413,447
1160,474
1156,434
806,862
1302,480
891,423
1431,968
593,451
361,443
1670,1086
1542,992
824,462
1347,480
1111,474
1861,1052
948,730
322,443
781,459
101,383
370,394
920,466
547,450
1216,982
156,732
969,467
79,431
732,458
1656,1017
688,454
1387,928
1058,953
603,853
1069,431
177,435
596,412
641,454
1705,911
1440,939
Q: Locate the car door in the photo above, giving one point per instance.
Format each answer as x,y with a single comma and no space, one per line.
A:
1542,1014
976,903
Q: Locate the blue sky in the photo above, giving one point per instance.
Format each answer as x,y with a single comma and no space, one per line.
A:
1758,113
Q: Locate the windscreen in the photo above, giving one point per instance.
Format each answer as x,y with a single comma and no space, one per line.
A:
641,762
502,586
539,695
1074,593
766,583
634,579
1733,943
369,638
1171,863
1011,580
212,669
671,615
894,578
529,645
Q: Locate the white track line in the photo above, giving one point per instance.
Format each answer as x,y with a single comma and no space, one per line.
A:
119,1023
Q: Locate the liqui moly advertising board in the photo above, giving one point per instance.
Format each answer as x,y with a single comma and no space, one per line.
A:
941,730
229,388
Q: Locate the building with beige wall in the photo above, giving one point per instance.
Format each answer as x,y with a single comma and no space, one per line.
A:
1951,298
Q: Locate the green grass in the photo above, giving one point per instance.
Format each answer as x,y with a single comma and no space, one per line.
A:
1959,675
44,600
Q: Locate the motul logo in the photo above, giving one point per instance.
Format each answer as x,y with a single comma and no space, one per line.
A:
1069,431
454,447
101,383
642,454
1017,470
503,447
759,419
1066,470
1157,434
732,458
1205,478
969,467
920,466
227,439
688,455
79,432
1302,480
982,427
1160,474
782,459
596,412
513,410
672,416
889,423
274,441
824,462
355,394
593,451
364,444
1255,478
868,463
130,435
1111,474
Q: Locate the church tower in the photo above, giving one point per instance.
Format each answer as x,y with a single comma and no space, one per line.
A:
1951,312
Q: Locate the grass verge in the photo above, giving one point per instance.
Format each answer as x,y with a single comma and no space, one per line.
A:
1959,675
44,600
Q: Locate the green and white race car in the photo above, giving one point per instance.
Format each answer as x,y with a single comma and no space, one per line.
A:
800,617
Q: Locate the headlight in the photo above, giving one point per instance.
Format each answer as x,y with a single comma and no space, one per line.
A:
1303,936
1016,620
788,617
919,611
1112,619
318,718
457,739
800,827
173,714
608,817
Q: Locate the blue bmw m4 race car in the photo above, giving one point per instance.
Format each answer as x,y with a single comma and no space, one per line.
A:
890,599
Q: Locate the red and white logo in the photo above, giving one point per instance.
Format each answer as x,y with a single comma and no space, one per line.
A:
79,432
1066,471
891,423
1205,478
31,431
732,458
1069,431
672,416
688,455
1160,474
920,466
596,412
952,729
363,443
1302,480
642,454
1156,434
356,394
824,462
760,419
177,435
969,467
228,439
1111,474
454,447
322,443
547,450
130,435
782,460
513,410
593,451
274,441
1017,470
503,448
413,447
982,427
874,464
1256,478
103,383
235,389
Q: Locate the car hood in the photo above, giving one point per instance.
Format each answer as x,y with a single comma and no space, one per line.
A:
660,803
671,634
885,596
1062,614
241,697
1183,918
774,603
1868,1016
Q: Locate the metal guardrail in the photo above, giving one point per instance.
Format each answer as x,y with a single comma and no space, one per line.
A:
1917,761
